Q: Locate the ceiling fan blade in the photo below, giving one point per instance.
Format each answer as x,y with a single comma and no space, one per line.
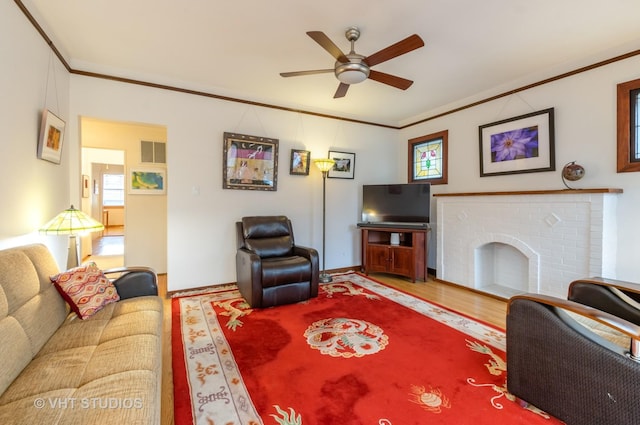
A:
400,48
328,45
392,80
342,90
298,73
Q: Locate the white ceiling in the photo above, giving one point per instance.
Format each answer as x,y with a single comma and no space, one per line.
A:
237,48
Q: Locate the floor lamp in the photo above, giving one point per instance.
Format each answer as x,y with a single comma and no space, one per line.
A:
71,222
324,164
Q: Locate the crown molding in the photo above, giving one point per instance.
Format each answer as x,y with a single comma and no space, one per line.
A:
52,46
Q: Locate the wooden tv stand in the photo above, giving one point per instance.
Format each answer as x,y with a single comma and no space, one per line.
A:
408,258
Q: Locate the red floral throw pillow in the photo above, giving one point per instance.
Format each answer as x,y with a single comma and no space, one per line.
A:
86,289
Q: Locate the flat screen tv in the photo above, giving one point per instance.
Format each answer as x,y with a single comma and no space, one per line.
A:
396,203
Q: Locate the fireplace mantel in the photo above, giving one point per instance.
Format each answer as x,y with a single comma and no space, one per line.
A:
534,192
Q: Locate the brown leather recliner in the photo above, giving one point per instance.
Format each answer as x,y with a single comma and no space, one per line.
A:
271,269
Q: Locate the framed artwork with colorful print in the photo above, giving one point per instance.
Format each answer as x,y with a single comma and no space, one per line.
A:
522,144
249,162
428,158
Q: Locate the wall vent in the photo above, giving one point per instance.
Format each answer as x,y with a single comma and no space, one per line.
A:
153,152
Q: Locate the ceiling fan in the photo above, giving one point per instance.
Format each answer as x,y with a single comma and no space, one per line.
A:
353,68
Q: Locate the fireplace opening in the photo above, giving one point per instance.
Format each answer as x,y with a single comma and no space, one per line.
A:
501,269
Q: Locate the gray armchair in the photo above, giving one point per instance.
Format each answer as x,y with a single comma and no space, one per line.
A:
557,362
271,269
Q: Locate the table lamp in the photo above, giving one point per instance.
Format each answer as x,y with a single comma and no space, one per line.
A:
71,222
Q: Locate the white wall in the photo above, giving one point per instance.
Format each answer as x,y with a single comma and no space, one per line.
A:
31,79
201,215
200,238
585,131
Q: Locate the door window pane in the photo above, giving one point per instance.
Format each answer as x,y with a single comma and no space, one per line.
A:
113,190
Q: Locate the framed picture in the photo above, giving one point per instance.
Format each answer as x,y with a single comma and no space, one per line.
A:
249,162
300,162
523,144
147,181
51,137
345,165
428,158
85,186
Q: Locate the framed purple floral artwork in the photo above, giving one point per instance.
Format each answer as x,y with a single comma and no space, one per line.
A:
523,144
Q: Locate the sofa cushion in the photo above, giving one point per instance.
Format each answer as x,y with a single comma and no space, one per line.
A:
276,271
86,289
31,309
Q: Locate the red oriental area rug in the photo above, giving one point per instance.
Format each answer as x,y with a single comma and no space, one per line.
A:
360,353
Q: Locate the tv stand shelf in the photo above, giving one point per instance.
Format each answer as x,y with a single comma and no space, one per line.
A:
407,258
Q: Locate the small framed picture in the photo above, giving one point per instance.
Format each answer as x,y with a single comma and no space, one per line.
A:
147,181
345,165
85,186
428,158
300,162
51,137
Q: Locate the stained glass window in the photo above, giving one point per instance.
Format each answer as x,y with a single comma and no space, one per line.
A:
427,158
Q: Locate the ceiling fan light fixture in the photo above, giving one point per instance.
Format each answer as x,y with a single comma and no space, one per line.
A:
353,68
352,73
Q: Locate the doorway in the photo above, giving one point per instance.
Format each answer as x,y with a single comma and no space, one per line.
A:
144,215
106,203
110,181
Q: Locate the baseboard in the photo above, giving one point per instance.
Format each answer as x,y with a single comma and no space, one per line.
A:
170,294
476,291
345,269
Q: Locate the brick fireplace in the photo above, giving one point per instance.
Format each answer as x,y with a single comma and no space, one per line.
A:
507,243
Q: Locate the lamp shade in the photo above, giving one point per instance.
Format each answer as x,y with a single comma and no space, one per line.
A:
324,164
71,221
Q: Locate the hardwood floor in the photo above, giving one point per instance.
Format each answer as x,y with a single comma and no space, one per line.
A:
111,242
166,399
482,307
486,308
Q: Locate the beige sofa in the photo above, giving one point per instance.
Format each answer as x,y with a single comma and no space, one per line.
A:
58,369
